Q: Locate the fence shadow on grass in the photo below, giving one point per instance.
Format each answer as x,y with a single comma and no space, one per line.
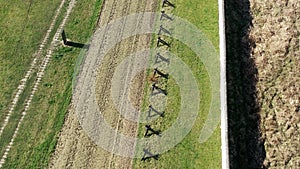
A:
246,149
77,45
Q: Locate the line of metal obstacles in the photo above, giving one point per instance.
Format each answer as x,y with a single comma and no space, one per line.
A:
155,88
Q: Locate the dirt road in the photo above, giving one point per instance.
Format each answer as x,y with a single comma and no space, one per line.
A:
74,148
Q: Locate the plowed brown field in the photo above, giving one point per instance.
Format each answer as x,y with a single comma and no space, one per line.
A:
263,63
277,56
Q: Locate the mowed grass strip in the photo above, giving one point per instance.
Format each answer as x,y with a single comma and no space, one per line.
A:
189,153
38,134
23,26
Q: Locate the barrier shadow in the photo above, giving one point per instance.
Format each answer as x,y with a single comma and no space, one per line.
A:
246,149
77,45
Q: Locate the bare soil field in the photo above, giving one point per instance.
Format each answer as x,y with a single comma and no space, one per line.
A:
263,63
74,148
277,57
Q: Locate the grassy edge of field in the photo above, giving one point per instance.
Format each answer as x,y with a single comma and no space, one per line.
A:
46,114
24,29
209,155
19,108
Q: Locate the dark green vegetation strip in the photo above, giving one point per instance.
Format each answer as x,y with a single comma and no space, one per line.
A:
38,134
189,153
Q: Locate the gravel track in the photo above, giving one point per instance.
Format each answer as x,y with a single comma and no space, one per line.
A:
74,148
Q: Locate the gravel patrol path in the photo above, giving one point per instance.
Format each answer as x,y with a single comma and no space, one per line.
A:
74,148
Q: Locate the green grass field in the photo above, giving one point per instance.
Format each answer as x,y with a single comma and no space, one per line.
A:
37,136
189,153
23,25
26,47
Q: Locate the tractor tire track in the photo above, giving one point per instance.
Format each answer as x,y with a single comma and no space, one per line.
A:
40,74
